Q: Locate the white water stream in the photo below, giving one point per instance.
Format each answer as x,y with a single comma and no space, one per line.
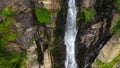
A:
70,35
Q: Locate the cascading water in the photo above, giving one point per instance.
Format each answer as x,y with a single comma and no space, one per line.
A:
70,35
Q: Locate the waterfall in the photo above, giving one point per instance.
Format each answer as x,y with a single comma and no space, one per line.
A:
70,35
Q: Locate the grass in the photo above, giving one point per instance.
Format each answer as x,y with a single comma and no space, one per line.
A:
43,15
107,65
89,14
10,60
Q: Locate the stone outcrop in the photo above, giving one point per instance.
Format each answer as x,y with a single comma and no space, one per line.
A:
49,38
111,50
32,57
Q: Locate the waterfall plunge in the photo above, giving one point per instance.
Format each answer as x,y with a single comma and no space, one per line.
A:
70,35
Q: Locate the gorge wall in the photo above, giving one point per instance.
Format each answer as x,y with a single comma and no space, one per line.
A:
44,42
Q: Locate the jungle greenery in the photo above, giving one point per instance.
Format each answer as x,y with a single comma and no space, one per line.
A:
107,65
43,15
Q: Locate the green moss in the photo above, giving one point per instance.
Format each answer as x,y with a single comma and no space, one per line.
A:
10,60
89,14
43,15
118,6
4,27
107,65
116,27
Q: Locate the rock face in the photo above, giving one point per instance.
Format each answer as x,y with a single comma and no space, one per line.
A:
93,34
49,38
32,57
50,4
47,62
12,47
111,50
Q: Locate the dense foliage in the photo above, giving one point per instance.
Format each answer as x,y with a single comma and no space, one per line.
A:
43,15
10,60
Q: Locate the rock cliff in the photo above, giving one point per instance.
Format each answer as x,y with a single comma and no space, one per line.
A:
43,42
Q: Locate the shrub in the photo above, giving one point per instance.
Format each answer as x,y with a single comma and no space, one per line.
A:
10,60
6,11
43,15
89,14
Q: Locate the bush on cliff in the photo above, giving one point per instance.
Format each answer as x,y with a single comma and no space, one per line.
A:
43,15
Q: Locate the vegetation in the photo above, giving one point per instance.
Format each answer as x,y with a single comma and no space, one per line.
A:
107,65
43,15
89,14
4,29
10,60
116,27
118,6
